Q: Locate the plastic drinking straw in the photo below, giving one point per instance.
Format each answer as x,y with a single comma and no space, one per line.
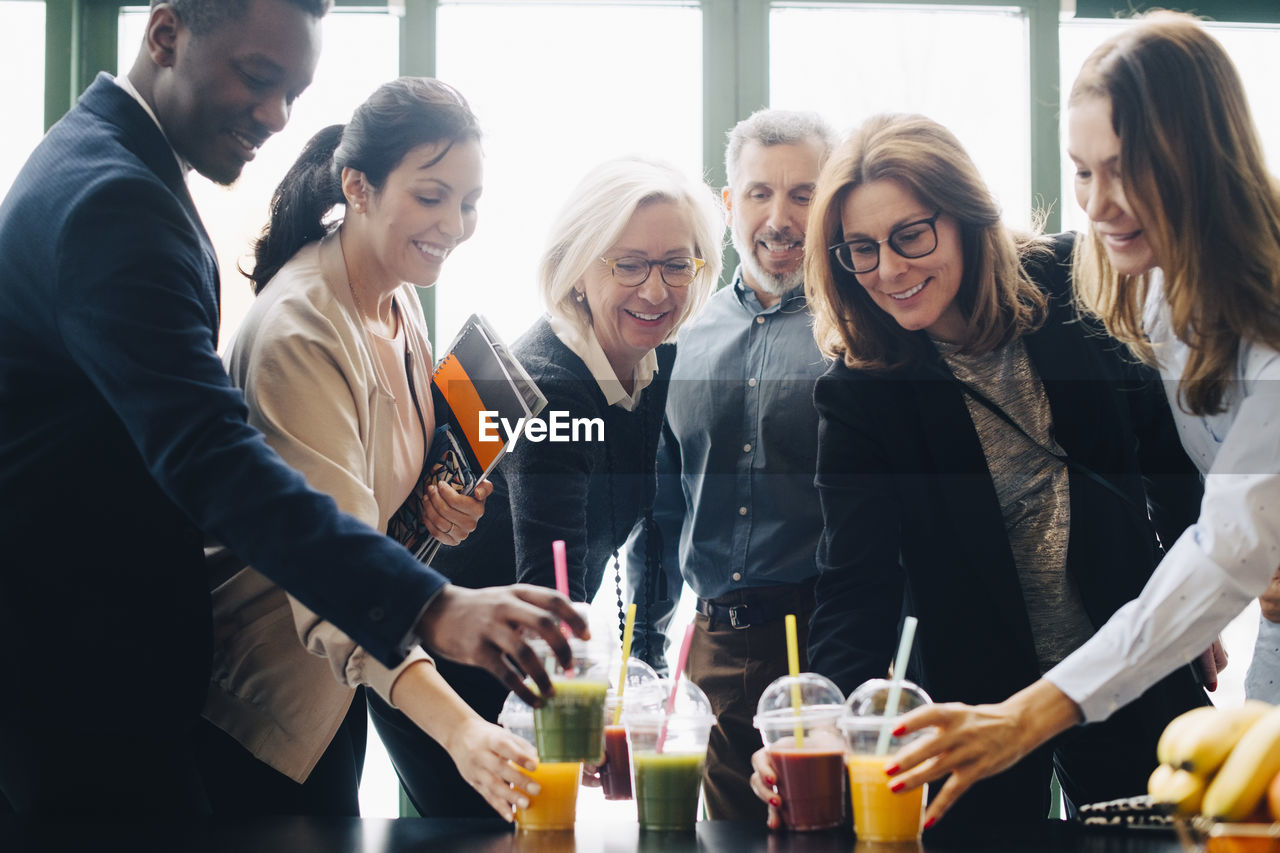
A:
627,630
895,686
675,682
793,664
561,564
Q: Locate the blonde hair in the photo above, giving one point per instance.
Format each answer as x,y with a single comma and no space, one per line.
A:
599,210
996,298
1194,172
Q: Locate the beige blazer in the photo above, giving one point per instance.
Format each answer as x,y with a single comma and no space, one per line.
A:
316,390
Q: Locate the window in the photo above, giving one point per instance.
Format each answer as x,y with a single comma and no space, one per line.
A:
361,51
848,62
597,81
22,59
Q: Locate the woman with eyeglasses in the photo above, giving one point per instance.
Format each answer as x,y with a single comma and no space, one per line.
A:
981,457
634,253
1182,263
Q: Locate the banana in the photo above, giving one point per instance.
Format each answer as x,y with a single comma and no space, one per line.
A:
1178,788
1204,741
1238,787
1170,739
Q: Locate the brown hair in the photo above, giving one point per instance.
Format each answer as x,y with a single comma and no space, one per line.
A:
1193,170
998,300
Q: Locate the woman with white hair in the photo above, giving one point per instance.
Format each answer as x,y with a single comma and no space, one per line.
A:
634,253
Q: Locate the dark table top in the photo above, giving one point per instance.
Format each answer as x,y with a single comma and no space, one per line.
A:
376,835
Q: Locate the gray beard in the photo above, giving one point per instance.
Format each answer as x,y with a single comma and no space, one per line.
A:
771,283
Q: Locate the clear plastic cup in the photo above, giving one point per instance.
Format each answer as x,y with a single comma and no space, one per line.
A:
555,806
668,752
569,726
878,813
615,773
806,747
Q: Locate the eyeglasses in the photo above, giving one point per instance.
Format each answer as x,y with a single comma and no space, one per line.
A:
633,272
912,240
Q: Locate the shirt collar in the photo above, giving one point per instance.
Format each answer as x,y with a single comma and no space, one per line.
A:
585,345
793,299
125,83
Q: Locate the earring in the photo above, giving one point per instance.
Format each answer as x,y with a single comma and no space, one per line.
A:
581,297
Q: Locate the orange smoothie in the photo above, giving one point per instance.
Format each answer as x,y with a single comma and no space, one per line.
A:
556,805
878,813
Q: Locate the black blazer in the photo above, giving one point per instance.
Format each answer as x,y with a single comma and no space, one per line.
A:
909,506
123,442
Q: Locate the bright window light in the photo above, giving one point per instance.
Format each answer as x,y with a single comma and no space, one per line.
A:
597,81
21,60
848,62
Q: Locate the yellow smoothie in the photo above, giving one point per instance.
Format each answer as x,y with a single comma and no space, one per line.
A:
556,805
878,813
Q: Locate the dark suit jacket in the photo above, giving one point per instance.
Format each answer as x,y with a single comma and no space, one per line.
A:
909,506
122,443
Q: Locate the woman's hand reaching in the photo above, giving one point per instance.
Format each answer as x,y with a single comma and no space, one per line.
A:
488,758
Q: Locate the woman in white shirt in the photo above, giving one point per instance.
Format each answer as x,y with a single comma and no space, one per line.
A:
1182,261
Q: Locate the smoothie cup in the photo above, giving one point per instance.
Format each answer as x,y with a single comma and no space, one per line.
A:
615,773
878,813
797,718
668,753
555,806
569,726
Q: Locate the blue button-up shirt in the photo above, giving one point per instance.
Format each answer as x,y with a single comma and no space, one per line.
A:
736,502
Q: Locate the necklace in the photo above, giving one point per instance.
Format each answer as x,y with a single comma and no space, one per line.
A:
360,314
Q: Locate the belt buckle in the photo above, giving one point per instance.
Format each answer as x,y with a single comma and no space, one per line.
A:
733,617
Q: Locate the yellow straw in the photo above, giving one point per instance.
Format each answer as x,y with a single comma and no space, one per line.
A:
627,631
793,663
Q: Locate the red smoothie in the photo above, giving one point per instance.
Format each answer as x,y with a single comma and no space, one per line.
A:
811,784
615,773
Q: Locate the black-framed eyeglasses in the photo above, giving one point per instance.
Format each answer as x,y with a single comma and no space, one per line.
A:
633,271
911,240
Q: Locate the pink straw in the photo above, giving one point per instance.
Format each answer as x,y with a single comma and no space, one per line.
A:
675,682
561,564
562,567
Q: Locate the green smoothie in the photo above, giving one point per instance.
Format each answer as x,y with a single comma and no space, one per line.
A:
666,789
570,725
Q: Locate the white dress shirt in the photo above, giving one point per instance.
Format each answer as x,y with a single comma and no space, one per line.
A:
1221,562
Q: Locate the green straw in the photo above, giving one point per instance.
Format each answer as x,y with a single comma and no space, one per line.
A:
895,686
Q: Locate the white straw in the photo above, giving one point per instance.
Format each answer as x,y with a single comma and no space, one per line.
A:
895,686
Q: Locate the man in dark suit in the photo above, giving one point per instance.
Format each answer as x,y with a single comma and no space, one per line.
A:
123,444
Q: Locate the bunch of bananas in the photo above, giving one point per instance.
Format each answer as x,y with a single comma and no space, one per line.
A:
1219,762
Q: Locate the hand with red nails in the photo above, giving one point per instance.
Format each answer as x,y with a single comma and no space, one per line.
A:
764,777
972,742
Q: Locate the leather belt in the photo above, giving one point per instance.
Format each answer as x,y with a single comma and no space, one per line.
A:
760,606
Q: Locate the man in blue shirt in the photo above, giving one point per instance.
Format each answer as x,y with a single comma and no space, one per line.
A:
736,503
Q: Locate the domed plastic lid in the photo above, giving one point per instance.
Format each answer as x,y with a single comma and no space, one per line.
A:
871,699
592,659
638,672
648,701
818,696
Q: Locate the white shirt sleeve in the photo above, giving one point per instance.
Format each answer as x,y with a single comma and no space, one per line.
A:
1216,567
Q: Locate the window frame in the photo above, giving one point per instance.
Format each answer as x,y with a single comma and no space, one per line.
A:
80,39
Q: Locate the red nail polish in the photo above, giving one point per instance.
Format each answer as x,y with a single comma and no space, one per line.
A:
900,731
771,780
897,786
891,769
930,822
775,802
